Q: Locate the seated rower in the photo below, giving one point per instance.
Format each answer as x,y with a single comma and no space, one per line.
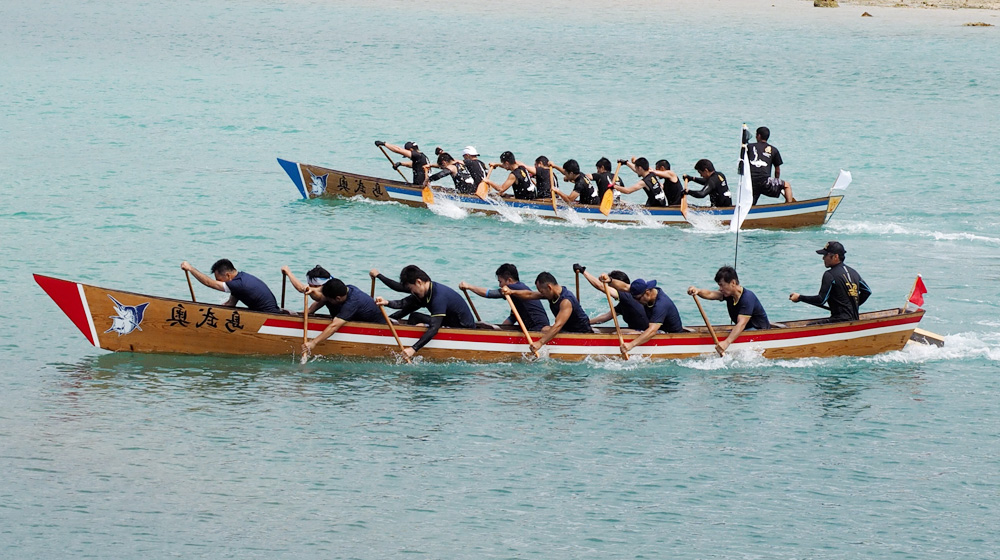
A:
242,286
603,177
672,187
519,178
647,181
446,307
569,316
476,167
417,159
715,186
541,173
315,278
744,308
631,310
464,183
584,192
531,311
660,310
352,304
842,288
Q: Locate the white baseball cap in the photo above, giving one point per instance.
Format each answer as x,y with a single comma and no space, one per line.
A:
470,151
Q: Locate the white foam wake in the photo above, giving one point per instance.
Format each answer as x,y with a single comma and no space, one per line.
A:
896,229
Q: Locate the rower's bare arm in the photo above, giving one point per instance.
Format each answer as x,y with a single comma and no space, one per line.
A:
298,285
205,279
668,174
478,290
617,285
569,198
404,163
741,324
523,294
327,333
628,190
594,281
705,294
231,302
565,312
647,334
602,318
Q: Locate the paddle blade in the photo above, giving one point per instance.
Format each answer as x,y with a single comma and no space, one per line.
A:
554,207
482,190
427,195
606,200
684,207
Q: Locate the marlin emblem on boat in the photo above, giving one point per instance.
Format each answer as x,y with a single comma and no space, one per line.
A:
318,183
128,319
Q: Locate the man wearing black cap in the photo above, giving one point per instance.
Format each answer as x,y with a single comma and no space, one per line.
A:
519,178
745,310
842,287
417,159
660,309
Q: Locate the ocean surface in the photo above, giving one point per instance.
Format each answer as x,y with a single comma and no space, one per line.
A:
136,135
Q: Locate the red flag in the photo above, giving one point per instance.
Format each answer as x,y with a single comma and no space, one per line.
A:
918,291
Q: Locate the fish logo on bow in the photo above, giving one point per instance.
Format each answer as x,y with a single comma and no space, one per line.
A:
318,183
128,317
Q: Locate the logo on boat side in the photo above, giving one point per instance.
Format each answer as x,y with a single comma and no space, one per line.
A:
128,319
318,183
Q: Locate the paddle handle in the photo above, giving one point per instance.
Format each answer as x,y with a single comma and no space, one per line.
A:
386,154
614,315
284,279
373,287
524,330
614,180
472,305
190,286
708,323
392,329
577,286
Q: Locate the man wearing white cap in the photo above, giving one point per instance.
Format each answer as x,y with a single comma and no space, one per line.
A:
315,279
476,168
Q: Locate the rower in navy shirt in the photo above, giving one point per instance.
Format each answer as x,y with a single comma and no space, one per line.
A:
531,311
631,310
569,316
659,309
745,310
352,304
446,307
647,181
584,192
243,287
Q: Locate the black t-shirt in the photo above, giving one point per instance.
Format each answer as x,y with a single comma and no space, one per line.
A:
462,178
844,290
716,189
603,182
253,293
524,189
664,311
654,191
531,310
748,305
763,157
578,321
674,191
419,161
586,189
477,169
543,186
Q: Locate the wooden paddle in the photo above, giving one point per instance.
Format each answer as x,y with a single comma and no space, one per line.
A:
614,315
396,336
708,324
524,330
577,285
284,277
386,154
483,190
552,189
609,195
190,287
305,326
684,201
373,287
472,305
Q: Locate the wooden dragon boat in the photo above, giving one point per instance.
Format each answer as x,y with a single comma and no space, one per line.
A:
122,321
319,182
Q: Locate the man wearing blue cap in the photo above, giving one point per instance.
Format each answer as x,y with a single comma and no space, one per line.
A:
744,308
660,310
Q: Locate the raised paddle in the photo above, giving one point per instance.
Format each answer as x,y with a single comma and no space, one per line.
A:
284,277
708,324
614,316
472,305
394,166
190,287
305,326
524,330
577,285
609,195
373,287
396,336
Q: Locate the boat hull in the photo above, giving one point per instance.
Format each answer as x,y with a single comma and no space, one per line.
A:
121,321
319,182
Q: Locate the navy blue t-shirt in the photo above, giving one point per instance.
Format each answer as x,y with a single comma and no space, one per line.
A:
359,306
531,310
664,311
253,293
748,305
442,301
578,321
631,311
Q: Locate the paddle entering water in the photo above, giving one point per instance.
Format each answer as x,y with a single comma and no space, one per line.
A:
708,323
614,315
524,330
609,195
392,329
305,327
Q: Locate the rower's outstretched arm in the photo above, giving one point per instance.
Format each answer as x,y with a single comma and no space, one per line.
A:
569,198
668,174
401,151
389,282
741,325
327,333
523,294
819,300
205,279
706,294
647,334
628,190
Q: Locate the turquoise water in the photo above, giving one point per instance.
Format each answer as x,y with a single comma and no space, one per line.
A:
139,135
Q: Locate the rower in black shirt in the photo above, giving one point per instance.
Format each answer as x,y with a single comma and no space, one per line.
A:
540,171
477,169
603,178
570,317
647,181
519,178
417,159
842,287
672,187
464,183
763,157
584,192
715,186
446,307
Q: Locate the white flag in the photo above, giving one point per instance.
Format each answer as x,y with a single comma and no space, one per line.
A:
744,192
843,180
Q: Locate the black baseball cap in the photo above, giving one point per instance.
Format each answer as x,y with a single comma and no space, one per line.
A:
832,247
410,145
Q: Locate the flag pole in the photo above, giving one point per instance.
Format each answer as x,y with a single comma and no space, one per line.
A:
912,289
743,149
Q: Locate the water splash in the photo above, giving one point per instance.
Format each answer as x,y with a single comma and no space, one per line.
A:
445,205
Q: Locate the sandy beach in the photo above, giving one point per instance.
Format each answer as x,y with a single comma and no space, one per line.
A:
944,4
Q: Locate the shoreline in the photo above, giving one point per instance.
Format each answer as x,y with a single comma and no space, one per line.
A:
928,4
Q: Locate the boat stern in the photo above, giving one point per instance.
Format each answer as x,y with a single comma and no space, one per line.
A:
832,206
